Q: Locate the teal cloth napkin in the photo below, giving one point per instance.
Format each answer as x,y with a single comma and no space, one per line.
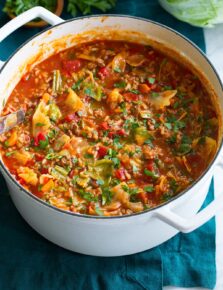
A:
29,262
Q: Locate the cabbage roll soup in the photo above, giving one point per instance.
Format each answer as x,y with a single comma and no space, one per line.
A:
111,128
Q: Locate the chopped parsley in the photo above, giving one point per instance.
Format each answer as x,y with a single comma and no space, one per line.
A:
117,69
149,188
106,196
39,124
120,85
7,154
87,195
168,125
77,85
150,173
136,92
151,80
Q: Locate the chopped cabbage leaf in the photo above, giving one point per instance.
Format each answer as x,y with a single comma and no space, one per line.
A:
54,112
101,170
28,175
40,117
141,135
205,146
135,60
73,101
119,63
161,100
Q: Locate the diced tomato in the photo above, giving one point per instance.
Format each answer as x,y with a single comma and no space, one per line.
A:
72,65
44,170
39,137
103,72
22,181
102,151
71,117
71,174
39,157
104,126
150,165
45,179
30,162
111,134
121,132
120,174
143,196
129,97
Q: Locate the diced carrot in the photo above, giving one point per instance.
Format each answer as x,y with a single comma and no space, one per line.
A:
12,139
131,97
46,98
104,126
143,197
144,88
45,180
48,186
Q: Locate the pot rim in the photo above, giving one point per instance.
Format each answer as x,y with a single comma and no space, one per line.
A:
40,201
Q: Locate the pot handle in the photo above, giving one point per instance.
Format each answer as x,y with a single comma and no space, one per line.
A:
187,225
36,12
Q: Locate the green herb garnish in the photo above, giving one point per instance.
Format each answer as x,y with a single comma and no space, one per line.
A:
87,195
7,154
117,69
106,196
77,85
120,85
151,80
39,124
19,6
168,125
43,143
85,6
149,188
150,173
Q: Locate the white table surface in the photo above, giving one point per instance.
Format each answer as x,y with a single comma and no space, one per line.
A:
214,50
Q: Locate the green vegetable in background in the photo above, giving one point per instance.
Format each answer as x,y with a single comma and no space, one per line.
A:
16,7
203,13
85,6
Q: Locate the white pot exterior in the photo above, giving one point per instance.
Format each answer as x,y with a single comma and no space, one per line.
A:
104,237
117,235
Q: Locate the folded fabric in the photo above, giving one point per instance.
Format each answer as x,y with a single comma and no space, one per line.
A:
28,261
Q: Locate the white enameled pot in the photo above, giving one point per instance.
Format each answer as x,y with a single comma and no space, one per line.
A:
106,236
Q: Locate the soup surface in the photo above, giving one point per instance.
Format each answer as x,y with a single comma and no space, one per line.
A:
111,128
